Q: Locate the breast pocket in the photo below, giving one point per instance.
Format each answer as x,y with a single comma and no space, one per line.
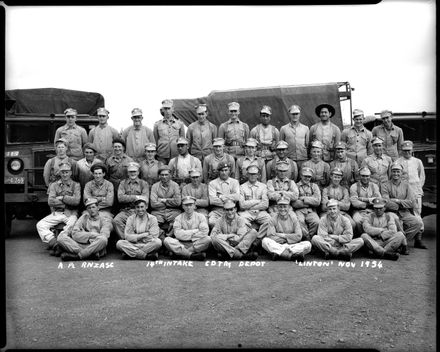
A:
394,137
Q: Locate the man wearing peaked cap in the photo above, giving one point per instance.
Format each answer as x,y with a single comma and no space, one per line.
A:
75,135
325,131
281,155
166,131
266,134
378,163
250,158
197,190
200,134
281,186
101,189
296,135
191,233
391,134
183,163
103,135
136,136
51,172
130,190
218,156
348,166
149,166
234,131
321,169
89,237
380,232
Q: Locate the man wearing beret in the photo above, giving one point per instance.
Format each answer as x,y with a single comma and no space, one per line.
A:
165,200
213,160
84,165
89,236
100,189
281,186
117,163
149,166
265,134
380,232
378,163
136,136
325,131
166,132
281,155
221,189
362,194
391,135
51,170
64,196
309,199
234,131
200,134
282,234
191,233
129,191
250,158
321,169
183,163
199,191
231,238
141,236
348,166
103,135
296,135
357,138
335,234
76,136
400,199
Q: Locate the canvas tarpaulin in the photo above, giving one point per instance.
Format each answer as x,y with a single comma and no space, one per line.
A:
51,101
308,97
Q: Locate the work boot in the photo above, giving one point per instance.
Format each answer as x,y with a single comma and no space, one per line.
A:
419,244
391,255
198,256
56,251
344,255
152,256
297,257
220,256
250,256
51,244
275,256
70,257
327,256
125,256
404,249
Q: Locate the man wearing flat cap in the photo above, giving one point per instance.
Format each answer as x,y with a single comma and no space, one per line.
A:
321,169
136,136
183,163
221,189
380,232
129,190
100,189
165,201
213,160
335,234
362,194
102,136
89,235
281,155
281,186
117,163
391,135
64,196
401,200
265,134
166,132
296,135
83,166
76,136
309,199
234,132
141,236
51,170
191,233
282,235
325,131
357,138
149,166
378,163
199,191
231,237
250,158
348,166
200,134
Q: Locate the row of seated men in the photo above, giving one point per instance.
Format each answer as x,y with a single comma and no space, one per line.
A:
259,223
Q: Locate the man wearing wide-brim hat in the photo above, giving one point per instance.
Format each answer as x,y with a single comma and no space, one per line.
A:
217,157
250,158
325,131
100,189
267,135
391,135
89,236
103,135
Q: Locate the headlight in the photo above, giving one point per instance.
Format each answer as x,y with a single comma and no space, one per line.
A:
15,166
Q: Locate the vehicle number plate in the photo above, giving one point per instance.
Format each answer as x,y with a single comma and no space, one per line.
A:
14,180
12,153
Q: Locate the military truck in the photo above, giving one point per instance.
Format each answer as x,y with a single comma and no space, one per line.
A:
31,118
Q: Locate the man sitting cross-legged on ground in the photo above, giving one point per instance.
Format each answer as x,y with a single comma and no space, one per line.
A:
89,236
191,231
141,234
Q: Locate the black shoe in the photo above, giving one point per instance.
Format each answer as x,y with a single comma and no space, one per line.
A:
391,255
250,256
404,250
275,256
419,244
152,256
69,257
198,256
327,256
220,256
56,251
125,256
297,257
345,255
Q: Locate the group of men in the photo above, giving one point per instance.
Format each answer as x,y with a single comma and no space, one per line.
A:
233,190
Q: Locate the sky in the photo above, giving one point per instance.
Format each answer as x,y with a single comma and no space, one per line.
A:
138,56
